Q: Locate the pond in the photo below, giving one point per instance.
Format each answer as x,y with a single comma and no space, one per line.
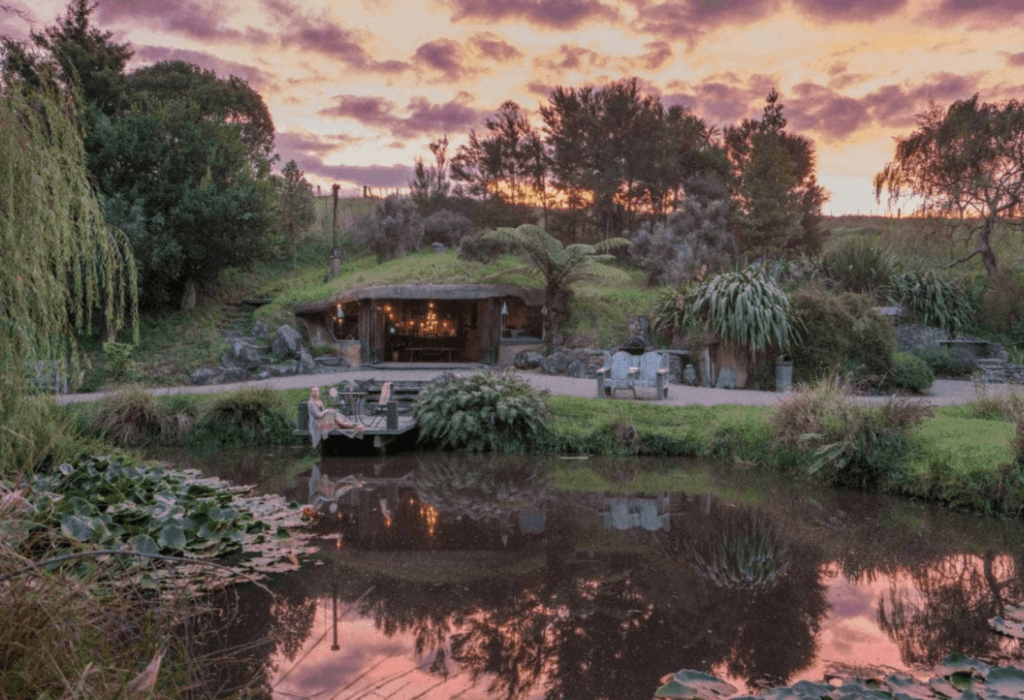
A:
433,581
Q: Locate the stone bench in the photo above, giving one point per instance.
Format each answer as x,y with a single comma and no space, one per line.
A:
976,348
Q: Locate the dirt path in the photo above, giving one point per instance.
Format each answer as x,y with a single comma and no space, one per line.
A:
945,392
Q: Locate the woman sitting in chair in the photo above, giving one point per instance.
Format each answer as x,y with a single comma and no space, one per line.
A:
323,420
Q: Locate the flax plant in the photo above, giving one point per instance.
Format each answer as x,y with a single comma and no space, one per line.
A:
745,309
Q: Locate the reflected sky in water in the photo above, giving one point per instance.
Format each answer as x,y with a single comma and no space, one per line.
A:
446,589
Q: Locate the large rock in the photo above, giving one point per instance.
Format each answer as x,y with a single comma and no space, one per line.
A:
235,374
528,359
242,355
306,364
287,342
578,369
260,331
285,370
554,364
203,376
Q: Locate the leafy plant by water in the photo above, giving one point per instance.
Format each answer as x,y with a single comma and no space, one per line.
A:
486,412
247,417
959,677
745,554
934,300
114,504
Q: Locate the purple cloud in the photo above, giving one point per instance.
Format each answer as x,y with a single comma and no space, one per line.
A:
818,108
850,10
980,13
257,79
495,48
897,105
688,19
1015,60
444,56
568,57
422,117
555,14
290,144
192,19
722,98
658,52
368,175
321,35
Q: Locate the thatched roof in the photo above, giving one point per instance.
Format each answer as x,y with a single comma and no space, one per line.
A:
434,292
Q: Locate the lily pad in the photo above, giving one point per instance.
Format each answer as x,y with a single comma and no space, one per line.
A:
686,685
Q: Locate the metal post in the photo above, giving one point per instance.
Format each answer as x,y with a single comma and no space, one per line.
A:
334,646
335,258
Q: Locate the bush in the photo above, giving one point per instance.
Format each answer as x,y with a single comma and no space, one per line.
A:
244,418
910,372
840,331
946,363
394,229
479,249
852,445
1002,303
487,412
446,227
132,416
859,266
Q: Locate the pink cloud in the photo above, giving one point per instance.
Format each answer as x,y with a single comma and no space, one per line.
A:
556,14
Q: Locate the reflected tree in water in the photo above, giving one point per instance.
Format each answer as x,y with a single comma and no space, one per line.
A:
947,608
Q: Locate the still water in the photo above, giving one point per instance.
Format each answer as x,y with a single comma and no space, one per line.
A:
449,577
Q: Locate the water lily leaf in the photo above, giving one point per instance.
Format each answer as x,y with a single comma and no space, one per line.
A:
81,506
65,469
172,537
1006,681
75,528
149,583
906,687
1011,623
961,663
281,534
694,685
144,544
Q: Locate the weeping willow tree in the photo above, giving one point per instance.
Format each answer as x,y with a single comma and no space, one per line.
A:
62,269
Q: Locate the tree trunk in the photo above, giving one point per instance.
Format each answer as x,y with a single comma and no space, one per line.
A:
188,301
988,257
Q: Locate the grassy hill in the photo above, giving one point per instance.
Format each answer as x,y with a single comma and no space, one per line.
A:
175,343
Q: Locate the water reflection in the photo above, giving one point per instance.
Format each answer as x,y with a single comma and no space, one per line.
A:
469,576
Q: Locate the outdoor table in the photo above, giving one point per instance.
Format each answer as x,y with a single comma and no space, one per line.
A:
349,402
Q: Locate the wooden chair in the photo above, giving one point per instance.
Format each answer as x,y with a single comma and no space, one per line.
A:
625,371
372,413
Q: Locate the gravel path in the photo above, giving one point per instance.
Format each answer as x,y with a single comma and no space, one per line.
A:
945,392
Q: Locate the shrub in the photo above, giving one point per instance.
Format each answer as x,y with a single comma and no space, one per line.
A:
323,350
946,363
840,331
851,445
393,229
487,412
446,227
244,418
1002,303
479,249
910,372
859,265
933,300
131,416
872,337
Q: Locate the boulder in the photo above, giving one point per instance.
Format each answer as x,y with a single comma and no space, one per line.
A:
285,370
287,342
528,359
203,376
235,374
306,364
242,355
554,364
437,247
578,369
260,331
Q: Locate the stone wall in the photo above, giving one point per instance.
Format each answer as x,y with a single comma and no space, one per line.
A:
913,337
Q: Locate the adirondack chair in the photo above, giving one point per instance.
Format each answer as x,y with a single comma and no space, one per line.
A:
625,371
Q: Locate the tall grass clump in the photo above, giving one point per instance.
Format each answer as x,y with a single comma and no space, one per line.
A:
487,412
244,418
848,444
934,300
130,417
40,434
859,266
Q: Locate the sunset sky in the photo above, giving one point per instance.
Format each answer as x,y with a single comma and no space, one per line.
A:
357,88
